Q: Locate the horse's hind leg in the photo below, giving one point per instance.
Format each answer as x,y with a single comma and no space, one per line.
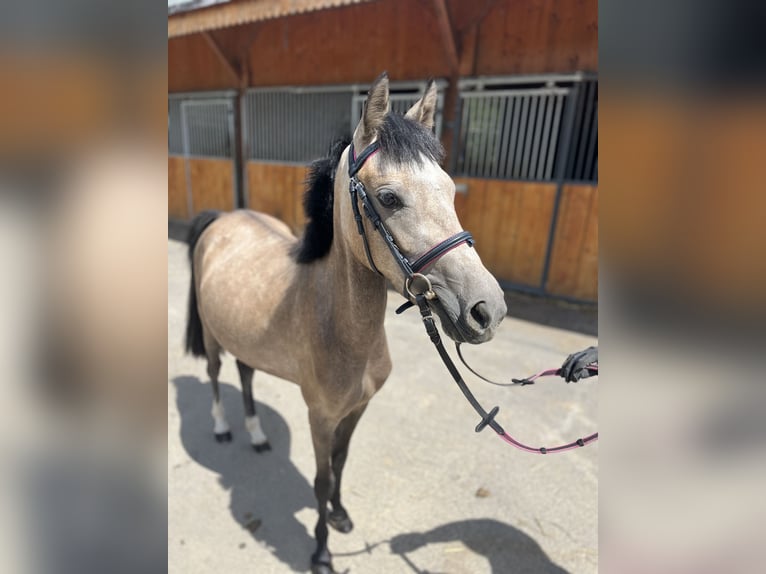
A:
220,425
338,517
252,422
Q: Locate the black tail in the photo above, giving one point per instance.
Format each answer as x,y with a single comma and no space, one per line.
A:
194,342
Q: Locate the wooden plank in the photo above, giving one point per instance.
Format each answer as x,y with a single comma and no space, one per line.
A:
574,259
510,222
524,235
397,35
447,35
401,36
545,36
492,224
178,205
212,184
223,59
536,211
192,66
277,189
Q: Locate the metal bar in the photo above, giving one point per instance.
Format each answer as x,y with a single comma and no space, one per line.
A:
359,89
549,104
244,122
480,81
529,92
505,136
578,102
201,95
483,136
499,127
568,135
537,138
554,137
590,174
513,135
529,141
517,160
587,126
187,169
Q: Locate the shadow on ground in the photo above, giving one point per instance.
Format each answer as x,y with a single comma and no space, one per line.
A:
266,489
507,549
579,317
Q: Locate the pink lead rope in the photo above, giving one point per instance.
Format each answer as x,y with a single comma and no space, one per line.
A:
580,442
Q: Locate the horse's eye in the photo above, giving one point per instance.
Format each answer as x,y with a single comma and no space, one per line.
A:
387,198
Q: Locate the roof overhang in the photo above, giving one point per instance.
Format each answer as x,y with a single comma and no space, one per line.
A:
236,13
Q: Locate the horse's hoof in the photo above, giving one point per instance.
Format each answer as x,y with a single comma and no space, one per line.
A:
263,447
223,436
322,565
340,521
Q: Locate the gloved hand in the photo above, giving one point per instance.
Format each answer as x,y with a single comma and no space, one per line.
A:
576,365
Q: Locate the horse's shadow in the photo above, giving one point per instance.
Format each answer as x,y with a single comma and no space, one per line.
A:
508,549
265,490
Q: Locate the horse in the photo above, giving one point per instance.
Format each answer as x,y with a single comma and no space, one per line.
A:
310,310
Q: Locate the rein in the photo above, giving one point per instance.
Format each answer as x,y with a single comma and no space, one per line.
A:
418,286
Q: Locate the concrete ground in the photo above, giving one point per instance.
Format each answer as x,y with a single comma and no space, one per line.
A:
425,492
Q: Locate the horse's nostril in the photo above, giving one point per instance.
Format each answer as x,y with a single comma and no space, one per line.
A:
480,314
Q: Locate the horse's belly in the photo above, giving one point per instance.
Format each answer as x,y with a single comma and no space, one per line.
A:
244,290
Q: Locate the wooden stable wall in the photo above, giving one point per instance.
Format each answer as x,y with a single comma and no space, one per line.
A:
574,260
210,182
353,44
511,220
277,189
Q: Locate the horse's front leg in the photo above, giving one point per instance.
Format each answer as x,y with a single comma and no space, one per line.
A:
339,518
322,431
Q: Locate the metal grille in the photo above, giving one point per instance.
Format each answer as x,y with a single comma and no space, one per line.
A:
402,97
298,124
294,126
582,164
175,137
200,126
513,128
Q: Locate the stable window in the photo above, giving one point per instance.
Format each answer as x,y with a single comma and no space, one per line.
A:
298,124
535,128
201,125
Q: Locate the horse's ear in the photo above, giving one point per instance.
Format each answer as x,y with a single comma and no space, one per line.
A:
424,110
375,110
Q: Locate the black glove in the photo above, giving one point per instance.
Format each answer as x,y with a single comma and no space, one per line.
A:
576,365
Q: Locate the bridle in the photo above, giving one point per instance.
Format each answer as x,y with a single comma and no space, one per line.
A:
419,288
412,275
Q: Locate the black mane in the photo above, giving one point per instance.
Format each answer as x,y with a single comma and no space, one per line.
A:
317,205
401,141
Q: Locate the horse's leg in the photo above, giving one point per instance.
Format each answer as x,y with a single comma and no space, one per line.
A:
338,517
220,425
252,423
322,431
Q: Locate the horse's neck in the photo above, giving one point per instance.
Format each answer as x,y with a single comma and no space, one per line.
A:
357,296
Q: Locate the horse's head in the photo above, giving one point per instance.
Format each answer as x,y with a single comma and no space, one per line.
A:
415,199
